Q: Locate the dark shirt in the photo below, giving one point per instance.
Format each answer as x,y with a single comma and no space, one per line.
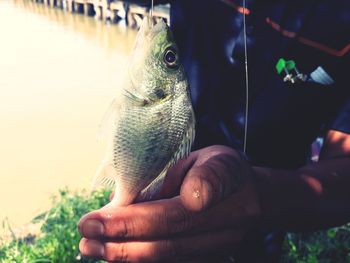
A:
284,118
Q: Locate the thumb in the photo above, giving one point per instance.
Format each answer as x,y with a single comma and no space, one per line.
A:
212,179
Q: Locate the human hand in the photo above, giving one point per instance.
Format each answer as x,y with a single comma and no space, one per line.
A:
211,205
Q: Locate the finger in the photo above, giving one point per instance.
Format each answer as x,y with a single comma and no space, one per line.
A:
157,218
175,175
170,186
166,250
218,166
168,217
212,178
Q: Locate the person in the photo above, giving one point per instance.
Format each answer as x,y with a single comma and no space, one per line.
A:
218,204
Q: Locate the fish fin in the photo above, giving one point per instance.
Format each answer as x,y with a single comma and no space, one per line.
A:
152,189
105,175
107,120
187,140
132,96
137,98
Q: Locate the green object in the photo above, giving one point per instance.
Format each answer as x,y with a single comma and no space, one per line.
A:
281,64
58,240
285,65
290,64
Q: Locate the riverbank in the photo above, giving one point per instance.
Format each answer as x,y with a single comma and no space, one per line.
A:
112,11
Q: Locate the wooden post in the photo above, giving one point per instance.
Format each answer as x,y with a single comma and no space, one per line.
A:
97,9
162,12
70,6
89,7
106,11
59,4
52,3
115,8
136,14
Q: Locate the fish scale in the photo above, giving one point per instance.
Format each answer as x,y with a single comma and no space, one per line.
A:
138,159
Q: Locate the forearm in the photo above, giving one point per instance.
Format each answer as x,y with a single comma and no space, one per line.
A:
313,197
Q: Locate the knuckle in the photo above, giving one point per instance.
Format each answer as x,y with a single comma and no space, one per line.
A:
129,228
117,253
232,172
123,253
124,229
178,219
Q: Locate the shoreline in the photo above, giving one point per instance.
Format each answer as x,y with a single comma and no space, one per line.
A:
110,11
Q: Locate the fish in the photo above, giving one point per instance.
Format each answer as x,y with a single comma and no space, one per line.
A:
153,121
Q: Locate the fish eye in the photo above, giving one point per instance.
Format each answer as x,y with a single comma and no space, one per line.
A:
171,58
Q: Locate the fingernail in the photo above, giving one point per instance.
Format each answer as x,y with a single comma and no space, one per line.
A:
95,248
208,196
197,194
92,228
204,196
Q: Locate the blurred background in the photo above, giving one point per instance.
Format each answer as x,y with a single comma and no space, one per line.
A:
60,63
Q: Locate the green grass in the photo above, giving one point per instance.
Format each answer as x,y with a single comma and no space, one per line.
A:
329,246
59,238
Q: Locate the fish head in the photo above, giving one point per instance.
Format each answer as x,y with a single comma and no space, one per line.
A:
155,70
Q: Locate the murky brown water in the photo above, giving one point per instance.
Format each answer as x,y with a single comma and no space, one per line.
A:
58,74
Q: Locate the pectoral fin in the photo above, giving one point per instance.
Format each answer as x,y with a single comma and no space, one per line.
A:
105,175
107,121
153,188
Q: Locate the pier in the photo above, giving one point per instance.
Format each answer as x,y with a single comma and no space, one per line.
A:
111,11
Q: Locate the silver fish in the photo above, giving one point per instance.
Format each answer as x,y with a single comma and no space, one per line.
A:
153,118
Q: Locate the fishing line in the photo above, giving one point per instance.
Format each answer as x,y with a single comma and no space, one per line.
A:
151,13
246,78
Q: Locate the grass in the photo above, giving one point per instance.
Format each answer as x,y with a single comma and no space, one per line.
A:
58,239
328,246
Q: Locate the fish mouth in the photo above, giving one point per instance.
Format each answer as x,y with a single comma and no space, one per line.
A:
150,30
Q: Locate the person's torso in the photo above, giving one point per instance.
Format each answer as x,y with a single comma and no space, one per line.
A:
284,118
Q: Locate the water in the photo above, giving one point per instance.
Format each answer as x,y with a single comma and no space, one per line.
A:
58,74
